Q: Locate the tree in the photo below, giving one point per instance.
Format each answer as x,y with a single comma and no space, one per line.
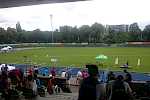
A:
2,35
135,32
57,36
67,34
146,32
75,35
18,27
84,33
11,35
97,32
36,36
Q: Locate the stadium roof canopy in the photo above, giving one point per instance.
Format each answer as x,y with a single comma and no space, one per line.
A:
17,3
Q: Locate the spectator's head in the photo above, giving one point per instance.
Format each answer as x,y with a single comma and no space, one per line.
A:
43,74
92,70
35,66
120,77
111,76
128,77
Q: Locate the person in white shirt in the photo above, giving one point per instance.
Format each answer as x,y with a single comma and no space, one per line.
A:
63,74
79,74
79,77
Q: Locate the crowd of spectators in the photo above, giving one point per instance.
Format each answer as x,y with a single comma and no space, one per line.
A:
29,83
117,87
14,83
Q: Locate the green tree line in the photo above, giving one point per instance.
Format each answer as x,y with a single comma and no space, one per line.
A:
96,33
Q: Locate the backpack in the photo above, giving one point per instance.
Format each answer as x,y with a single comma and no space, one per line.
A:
118,91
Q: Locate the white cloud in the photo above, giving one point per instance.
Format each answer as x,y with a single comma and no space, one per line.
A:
77,13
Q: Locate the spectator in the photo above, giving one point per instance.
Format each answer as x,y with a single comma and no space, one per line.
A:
79,74
4,86
36,70
29,82
50,87
68,74
111,79
53,72
6,68
38,82
120,90
63,74
88,86
2,68
30,72
79,77
84,74
128,79
111,76
30,87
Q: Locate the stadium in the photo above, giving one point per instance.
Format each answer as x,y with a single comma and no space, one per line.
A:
75,61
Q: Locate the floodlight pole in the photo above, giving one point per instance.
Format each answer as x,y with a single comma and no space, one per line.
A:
51,17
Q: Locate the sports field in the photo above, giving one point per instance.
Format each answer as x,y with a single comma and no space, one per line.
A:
78,57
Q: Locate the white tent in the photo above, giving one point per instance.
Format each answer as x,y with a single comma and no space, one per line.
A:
8,48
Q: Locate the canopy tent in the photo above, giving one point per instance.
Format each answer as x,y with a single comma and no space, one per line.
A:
9,67
101,57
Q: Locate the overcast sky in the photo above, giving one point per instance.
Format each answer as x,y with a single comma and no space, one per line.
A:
77,14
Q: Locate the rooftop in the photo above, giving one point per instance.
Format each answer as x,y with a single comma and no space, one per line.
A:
17,3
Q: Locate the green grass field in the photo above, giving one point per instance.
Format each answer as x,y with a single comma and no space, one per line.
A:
81,56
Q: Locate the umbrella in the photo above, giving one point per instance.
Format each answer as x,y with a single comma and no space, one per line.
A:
101,57
44,70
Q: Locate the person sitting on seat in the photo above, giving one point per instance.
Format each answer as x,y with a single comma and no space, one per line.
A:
4,86
31,87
